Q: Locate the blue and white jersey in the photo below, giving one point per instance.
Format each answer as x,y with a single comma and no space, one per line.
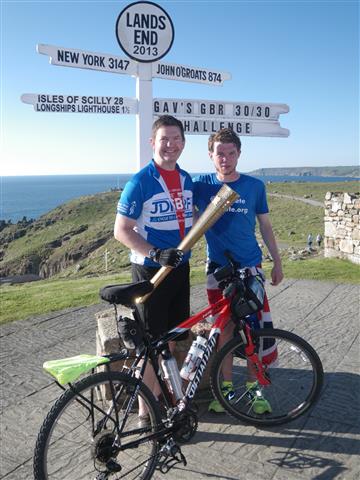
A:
235,230
147,200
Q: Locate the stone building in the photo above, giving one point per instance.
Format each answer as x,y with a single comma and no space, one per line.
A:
342,230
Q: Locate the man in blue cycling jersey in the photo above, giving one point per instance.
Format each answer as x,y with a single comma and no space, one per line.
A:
235,232
154,214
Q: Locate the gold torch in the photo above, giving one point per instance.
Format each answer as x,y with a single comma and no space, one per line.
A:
225,197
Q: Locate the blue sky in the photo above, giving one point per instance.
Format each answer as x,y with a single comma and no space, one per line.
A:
301,53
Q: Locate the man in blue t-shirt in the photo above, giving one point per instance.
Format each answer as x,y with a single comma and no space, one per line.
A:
235,232
154,214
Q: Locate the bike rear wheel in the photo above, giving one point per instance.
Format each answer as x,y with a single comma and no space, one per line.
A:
78,437
296,379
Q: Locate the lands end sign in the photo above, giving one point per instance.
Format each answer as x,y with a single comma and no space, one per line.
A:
144,31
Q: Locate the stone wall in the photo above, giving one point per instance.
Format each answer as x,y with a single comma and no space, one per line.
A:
342,230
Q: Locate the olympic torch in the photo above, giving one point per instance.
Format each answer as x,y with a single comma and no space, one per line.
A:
225,197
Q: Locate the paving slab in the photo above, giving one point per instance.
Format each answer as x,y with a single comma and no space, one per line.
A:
323,444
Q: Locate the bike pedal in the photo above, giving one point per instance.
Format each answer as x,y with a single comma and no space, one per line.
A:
169,457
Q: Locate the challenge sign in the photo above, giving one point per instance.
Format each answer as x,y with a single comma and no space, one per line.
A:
144,31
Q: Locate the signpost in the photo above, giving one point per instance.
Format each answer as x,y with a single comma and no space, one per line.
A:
227,109
145,33
104,62
243,127
43,102
185,73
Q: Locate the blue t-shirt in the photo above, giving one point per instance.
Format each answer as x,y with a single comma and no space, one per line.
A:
235,230
146,199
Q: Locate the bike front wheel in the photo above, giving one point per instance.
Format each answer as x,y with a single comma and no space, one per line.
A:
296,379
85,434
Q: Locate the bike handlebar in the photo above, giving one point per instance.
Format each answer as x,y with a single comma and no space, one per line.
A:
229,271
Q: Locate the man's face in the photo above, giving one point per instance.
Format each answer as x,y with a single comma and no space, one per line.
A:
167,145
225,157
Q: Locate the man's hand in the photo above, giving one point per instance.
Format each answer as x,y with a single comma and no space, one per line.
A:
276,274
169,257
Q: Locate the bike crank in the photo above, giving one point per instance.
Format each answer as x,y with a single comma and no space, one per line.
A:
186,425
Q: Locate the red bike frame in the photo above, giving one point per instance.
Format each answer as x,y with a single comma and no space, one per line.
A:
222,309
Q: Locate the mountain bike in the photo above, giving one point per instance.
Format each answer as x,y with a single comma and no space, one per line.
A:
93,431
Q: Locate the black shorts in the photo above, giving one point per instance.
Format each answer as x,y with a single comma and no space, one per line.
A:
169,304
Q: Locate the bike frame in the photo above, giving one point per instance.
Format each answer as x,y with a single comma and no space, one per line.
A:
222,309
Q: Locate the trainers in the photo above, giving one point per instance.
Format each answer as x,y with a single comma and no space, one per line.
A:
227,391
259,404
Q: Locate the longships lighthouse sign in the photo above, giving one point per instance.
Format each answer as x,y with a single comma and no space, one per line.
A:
145,33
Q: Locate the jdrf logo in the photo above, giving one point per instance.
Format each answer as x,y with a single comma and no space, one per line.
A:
165,206
161,206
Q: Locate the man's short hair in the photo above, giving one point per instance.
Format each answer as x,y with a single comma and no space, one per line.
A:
224,135
167,121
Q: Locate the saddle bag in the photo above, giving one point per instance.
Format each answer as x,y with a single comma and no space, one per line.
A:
130,332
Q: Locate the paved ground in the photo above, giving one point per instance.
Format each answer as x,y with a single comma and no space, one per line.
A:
322,445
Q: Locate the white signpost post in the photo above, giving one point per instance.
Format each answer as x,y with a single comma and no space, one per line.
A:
145,32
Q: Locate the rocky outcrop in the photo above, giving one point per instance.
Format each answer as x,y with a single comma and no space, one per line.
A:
51,258
58,242
55,263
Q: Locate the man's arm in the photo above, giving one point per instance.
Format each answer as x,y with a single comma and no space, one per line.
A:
124,232
269,240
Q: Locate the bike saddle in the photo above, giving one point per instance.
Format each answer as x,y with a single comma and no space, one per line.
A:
127,293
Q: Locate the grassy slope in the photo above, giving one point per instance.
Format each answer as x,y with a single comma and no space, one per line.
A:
96,212
293,220
317,191
77,287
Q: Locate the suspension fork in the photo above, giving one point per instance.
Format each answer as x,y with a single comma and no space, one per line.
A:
253,357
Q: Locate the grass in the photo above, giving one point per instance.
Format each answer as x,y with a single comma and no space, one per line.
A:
319,268
25,300
20,301
316,191
74,287
292,221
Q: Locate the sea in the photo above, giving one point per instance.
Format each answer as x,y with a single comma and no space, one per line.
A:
33,196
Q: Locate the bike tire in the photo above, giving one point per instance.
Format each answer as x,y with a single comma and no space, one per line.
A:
296,380
67,445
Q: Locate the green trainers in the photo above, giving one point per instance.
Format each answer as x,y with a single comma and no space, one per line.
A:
226,389
259,404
